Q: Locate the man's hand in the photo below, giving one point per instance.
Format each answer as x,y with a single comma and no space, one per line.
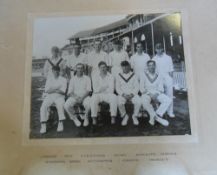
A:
51,90
59,92
127,96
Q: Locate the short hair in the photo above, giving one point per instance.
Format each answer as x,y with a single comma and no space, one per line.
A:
56,68
55,49
139,43
125,63
151,61
158,46
102,63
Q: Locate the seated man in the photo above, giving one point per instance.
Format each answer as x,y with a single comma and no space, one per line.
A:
127,87
55,88
79,90
151,87
103,90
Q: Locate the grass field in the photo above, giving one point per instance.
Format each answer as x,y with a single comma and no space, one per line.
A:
180,125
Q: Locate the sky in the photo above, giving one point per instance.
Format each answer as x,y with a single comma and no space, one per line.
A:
55,31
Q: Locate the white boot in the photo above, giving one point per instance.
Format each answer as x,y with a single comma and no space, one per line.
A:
76,121
161,121
43,128
60,126
94,120
125,120
86,122
172,115
152,121
112,120
135,120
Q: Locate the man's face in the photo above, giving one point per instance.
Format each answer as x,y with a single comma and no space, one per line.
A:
139,48
54,53
117,47
70,51
103,69
126,69
56,73
159,51
77,49
79,69
151,67
97,47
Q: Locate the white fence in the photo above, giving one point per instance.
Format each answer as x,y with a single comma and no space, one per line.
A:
179,81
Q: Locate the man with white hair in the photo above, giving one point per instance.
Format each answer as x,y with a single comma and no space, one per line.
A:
103,91
152,89
55,89
127,87
79,90
165,68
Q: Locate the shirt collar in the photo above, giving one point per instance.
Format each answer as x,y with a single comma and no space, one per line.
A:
156,73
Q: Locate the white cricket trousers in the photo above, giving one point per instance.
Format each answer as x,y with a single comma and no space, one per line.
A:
71,102
164,100
169,92
109,98
136,102
58,100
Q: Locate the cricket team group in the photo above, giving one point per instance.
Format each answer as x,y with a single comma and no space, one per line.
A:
85,80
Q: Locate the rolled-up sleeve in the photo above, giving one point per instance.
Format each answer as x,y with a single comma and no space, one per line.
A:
142,84
63,85
70,89
118,86
111,84
136,86
88,85
96,86
47,85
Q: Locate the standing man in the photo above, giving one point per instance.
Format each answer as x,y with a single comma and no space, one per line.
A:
127,87
116,57
69,53
138,60
152,89
74,59
55,60
103,90
79,90
95,57
165,68
55,88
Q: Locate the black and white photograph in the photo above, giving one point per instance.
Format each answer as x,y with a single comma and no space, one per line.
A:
109,76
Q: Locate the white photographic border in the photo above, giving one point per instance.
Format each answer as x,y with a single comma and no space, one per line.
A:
190,78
